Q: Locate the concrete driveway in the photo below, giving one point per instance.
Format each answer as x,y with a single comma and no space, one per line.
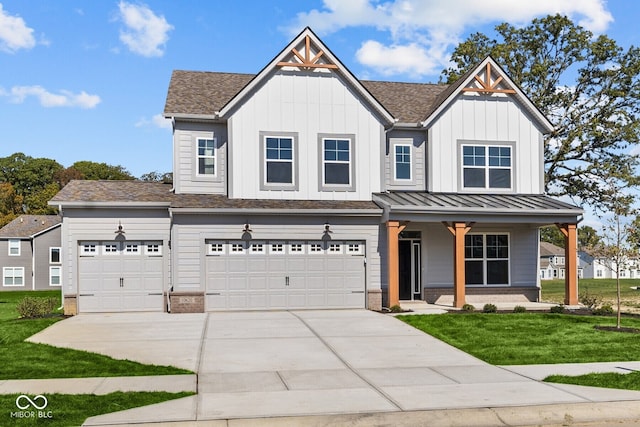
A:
268,364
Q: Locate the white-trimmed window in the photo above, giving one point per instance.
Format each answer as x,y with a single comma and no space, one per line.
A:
215,248
402,162
486,259
598,273
296,248
14,247
54,255
89,248
13,276
279,168
111,248
276,248
153,249
487,166
237,248
206,157
131,248
55,276
337,156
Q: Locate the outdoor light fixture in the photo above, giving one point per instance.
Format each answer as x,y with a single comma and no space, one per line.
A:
327,228
120,230
247,228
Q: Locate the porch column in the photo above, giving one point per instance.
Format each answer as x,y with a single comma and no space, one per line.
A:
459,230
394,228
570,262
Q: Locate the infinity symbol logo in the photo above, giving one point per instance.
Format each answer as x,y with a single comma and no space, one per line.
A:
31,402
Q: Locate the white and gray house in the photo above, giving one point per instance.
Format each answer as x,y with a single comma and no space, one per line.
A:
30,253
303,187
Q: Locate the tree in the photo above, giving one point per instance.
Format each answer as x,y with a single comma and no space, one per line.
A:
27,174
156,176
10,203
37,203
95,171
62,177
553,235
596,116
588,237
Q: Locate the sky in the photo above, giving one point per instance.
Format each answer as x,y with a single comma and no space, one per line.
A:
87,80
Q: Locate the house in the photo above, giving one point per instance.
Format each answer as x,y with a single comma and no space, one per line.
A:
30,249
552,265
305,187
603,268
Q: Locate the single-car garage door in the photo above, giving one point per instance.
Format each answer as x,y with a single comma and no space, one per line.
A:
284,275
120,276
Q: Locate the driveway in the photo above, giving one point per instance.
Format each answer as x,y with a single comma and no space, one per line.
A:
267,364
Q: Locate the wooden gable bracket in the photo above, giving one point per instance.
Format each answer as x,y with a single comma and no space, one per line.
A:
486,86
306,62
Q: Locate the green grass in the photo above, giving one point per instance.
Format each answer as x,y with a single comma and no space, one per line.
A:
553,290
24,360
64,410
532,338
630,381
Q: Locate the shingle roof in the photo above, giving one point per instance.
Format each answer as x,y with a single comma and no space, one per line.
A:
549,249
29,225
132,192
205,93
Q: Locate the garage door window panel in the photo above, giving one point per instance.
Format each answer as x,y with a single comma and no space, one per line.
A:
89,249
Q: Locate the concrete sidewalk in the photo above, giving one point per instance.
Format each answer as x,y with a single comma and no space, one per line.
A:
287,365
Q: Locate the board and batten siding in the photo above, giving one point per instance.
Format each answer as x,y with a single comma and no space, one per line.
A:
437,250
310,105
417,140
41,246
99,225
483,119
185,177
190,232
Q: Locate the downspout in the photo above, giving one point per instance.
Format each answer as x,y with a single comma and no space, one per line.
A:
62,264
171,266
33,263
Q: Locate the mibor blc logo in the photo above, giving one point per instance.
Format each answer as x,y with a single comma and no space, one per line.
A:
31,407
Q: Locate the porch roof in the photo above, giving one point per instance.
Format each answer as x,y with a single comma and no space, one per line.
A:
535,208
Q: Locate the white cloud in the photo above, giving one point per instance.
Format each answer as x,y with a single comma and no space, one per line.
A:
14,33
430,28
146,33
65,98
157,120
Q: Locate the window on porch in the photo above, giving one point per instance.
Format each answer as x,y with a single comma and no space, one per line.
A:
487,259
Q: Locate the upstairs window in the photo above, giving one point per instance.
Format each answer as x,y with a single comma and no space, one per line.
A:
14,247
337,163
279,160
486,166
402,162
54,256
206,157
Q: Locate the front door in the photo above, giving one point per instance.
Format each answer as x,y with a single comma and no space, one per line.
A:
409,266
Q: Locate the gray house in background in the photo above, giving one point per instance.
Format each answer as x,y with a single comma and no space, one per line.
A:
30,253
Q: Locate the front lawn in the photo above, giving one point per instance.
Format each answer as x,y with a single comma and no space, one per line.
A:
553,291
532,338
630,381
24,360
64,410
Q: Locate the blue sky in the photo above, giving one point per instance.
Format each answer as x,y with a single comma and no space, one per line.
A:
87,80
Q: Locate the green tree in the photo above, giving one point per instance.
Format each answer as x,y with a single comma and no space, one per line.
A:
588,87
156,176
10,203
38,202
95,171
552,234
27,174
588,237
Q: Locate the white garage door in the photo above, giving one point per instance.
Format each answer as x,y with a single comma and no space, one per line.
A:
284,275
120,276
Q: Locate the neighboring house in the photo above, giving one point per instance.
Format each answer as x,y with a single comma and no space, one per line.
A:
602,268
551,261
30,253
305,187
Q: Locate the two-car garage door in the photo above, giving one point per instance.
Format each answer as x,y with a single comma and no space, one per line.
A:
258,275
120,276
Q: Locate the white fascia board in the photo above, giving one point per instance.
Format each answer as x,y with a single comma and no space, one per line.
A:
287,212
185,116
45,230
113,205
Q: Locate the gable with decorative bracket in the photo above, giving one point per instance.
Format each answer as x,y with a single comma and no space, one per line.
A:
487,81
307,56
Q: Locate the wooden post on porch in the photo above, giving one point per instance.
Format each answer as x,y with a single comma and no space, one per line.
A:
571,263
459,230
394,228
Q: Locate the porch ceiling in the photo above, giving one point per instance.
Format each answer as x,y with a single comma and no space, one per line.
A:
534,208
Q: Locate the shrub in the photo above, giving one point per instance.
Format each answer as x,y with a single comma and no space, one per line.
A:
468,307
519,309
603,310
557,309
590,301
489,308
396,309
30,307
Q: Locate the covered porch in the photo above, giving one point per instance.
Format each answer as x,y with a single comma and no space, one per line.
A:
468,245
